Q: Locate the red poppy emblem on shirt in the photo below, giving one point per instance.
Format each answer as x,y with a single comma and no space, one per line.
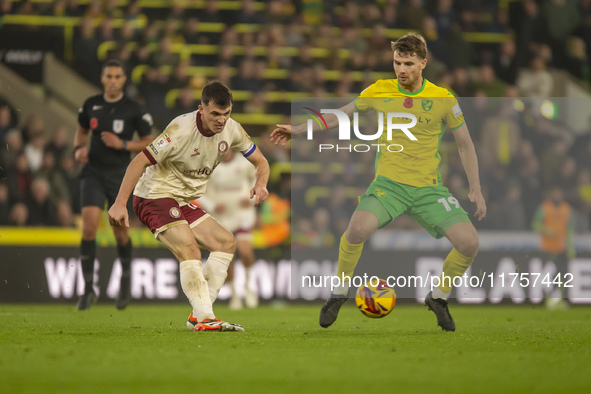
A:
408,103
93,123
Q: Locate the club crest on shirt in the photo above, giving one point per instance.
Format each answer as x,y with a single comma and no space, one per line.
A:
118,125
162,142
175,212
222,147
427,104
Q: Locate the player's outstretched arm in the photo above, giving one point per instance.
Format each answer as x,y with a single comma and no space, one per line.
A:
281,134
470,163
118,215
262,173
285,132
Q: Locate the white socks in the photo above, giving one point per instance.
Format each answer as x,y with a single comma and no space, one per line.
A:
202,285
215,272
196,289
437,293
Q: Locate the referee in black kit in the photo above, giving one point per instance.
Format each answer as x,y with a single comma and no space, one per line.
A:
110,119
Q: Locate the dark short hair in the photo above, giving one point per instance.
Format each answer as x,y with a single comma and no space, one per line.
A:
216,91
411,44
113,63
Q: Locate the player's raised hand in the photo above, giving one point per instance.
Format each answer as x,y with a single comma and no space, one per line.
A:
477,198
118,216
111,140
261,194
281,134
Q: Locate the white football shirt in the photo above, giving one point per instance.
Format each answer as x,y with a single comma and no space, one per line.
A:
184,156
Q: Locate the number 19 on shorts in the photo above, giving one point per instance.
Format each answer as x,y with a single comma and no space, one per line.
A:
449,202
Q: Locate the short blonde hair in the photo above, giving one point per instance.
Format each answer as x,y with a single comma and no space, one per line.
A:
412,44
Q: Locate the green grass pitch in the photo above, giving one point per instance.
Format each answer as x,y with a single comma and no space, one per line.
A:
147,349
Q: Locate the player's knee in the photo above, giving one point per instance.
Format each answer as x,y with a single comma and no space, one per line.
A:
356,234
470,246
232,245
228,244
89,232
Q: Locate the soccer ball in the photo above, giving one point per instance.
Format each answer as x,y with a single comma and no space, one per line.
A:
375,301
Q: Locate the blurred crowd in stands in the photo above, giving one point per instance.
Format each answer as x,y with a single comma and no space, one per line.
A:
521,152
38,174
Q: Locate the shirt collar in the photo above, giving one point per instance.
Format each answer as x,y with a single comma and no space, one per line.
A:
200,126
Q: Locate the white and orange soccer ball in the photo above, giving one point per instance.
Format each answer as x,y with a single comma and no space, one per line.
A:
375,301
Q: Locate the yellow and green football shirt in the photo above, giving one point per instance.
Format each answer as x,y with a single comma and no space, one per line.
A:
434,107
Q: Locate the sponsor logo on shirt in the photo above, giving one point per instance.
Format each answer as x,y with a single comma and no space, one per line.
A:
153,148
457,110
96,107
201,171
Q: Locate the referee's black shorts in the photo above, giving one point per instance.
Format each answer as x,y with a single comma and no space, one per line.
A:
99,185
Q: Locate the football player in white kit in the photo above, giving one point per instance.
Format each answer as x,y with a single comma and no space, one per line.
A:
178,165
227,200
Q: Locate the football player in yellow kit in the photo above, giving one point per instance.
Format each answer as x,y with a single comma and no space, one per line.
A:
408,181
